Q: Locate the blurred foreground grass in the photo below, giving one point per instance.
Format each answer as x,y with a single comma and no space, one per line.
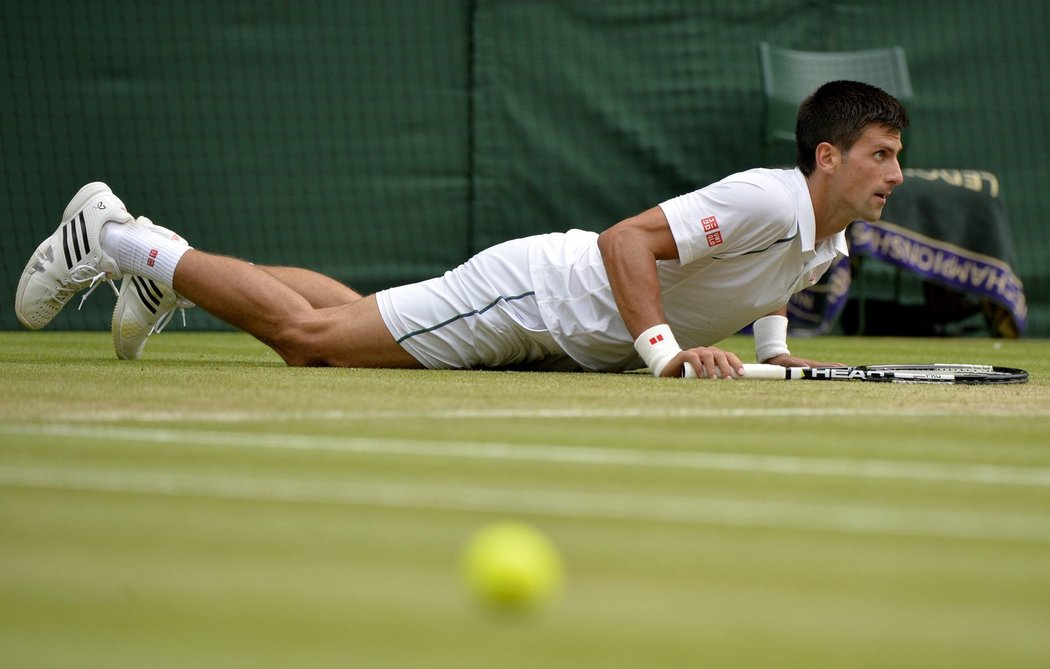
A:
209,507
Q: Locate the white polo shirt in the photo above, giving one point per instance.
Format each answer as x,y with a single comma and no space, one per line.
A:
745,245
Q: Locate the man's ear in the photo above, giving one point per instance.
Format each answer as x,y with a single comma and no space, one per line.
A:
828,156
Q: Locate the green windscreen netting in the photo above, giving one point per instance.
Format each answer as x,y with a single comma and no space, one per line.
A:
331,135
382,142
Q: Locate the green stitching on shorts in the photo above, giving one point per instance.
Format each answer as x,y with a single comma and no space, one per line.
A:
476,312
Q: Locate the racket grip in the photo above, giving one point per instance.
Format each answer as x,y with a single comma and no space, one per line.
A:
760,371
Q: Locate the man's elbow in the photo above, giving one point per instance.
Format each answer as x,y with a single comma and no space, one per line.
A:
613,240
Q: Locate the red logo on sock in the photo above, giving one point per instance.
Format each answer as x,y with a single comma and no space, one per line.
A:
153,253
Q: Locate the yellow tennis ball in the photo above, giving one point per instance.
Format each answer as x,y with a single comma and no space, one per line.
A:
512,566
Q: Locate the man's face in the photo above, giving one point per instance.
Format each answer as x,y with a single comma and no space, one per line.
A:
869,171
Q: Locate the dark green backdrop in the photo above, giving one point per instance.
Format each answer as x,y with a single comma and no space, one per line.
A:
383,141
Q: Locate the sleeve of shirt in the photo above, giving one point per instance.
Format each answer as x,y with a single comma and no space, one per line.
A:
740,214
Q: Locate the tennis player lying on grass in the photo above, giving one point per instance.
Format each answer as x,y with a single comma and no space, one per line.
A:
655,290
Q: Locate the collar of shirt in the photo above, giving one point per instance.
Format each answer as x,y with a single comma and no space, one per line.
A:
807,222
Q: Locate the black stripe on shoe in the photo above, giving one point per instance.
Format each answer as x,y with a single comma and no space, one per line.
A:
76,239
147,300
155,293
65,245
71,233
84,234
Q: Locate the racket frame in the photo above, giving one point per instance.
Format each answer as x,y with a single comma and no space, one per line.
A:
951,373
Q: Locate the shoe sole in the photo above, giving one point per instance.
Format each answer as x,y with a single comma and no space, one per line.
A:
123,330
124,327
23,283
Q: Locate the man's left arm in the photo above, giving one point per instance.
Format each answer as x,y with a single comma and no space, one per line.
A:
771,342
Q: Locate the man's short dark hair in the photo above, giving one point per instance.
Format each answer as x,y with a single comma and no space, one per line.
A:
837,113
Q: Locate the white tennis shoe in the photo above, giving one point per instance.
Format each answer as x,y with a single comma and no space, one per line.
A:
144,307
71,259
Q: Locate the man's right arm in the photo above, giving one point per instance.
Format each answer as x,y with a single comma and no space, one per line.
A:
629,251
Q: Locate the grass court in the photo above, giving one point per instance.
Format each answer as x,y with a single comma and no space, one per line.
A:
209,507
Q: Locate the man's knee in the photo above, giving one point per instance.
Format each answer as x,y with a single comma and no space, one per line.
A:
353,335
301,343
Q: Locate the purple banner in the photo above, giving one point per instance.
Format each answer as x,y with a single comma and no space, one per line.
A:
943,263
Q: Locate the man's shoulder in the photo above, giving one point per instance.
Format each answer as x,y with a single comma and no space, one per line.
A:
763,192
749,183
767,177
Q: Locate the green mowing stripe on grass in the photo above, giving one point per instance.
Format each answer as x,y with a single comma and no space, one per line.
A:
838,518
580,413
557,454
209,507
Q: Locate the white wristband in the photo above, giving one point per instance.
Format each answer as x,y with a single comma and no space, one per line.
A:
771,333
657,347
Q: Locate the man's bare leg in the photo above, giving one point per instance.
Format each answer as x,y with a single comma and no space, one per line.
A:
253,299
319,290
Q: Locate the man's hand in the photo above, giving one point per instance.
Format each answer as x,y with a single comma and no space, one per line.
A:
792,361
705,362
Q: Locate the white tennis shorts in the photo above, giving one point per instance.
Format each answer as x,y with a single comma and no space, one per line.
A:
482,314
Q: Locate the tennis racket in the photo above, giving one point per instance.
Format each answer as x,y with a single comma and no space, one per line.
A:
938,373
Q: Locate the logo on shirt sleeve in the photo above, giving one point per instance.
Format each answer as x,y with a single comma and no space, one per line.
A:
710,226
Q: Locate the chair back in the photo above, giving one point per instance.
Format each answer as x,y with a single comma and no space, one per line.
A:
789,76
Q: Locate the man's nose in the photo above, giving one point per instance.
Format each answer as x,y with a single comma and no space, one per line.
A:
897,175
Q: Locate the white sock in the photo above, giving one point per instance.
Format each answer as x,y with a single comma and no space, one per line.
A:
139,250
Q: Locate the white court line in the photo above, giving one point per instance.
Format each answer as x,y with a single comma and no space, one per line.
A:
608,413
561,454
835,518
